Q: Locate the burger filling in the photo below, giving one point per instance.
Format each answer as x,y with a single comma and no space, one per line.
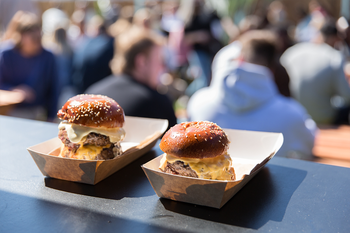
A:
217,168
89,143
179,168
76,132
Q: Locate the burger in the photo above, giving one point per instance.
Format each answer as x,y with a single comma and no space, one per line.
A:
91,128
197,149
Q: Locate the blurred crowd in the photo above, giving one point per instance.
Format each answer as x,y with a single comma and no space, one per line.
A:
183,60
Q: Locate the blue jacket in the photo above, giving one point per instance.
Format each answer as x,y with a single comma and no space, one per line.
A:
38,72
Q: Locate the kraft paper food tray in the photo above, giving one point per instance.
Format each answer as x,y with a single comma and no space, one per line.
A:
249,151
141,135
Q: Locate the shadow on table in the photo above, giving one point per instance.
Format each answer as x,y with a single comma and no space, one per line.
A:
130,181
264,198
38,215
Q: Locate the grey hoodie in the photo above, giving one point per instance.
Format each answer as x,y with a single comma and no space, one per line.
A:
244,96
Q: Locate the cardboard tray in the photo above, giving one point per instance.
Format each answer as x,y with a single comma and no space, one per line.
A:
249,151
141,135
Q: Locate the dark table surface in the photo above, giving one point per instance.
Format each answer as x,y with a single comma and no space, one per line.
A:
285,196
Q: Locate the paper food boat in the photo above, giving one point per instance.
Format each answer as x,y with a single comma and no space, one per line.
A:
249,151
141,135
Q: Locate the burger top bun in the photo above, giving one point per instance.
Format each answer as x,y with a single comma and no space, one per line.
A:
202,139
92,111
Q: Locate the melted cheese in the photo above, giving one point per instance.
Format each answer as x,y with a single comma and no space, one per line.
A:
88,152
76,132
218,168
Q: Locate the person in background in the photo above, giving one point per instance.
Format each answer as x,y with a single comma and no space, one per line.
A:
280,74
52,19
244,96
31,70
172,27
170,19
199,24
232,51
91,60
317,76
343,45
309,22
64,59
137,65
277,22
55,24
146,19
76,31
124,21
276,13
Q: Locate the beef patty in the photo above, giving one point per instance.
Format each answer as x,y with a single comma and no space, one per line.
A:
96,139
179,168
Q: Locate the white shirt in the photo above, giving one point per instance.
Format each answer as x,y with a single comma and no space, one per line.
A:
316,75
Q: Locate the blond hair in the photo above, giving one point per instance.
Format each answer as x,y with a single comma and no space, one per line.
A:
12,26
129,44
24,22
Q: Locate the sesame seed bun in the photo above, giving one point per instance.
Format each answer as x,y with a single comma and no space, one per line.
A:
202,139
92,111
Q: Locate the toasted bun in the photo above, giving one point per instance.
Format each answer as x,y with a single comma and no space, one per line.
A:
202,139
92,111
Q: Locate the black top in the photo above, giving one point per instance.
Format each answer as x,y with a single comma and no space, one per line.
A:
203,22
135,98
91,61
285,196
